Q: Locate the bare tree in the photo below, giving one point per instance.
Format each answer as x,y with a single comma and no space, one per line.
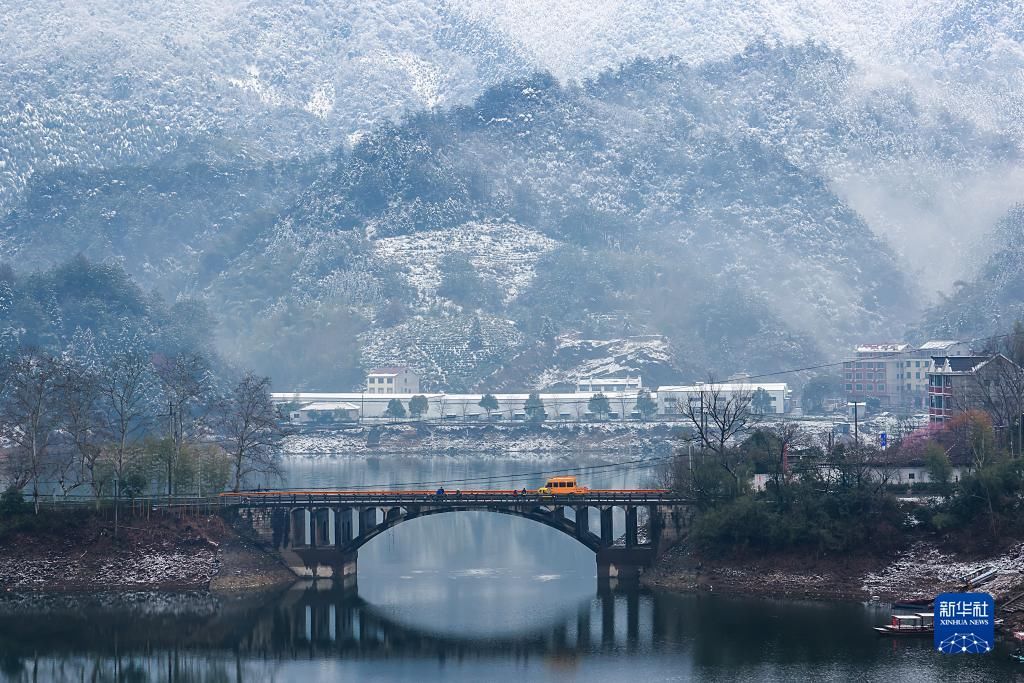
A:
250,429
718,417
787,437
126,389
185,380
997,386
79,389
29,415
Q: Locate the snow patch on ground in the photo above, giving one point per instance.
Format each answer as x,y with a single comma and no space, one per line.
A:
923,565
604,358
505,253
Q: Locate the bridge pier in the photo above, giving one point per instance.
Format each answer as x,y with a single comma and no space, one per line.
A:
582,522
344,525
631,531
367,519
607,526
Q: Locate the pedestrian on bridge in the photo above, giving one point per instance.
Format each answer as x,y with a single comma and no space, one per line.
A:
440,492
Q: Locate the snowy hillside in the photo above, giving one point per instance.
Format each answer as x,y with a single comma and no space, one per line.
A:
505,254
463,184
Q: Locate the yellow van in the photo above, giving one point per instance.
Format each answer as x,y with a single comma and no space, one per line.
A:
560,486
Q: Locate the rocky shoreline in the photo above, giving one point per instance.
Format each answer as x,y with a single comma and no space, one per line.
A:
921,571
164,552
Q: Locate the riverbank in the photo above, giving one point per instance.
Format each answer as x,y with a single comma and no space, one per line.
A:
77,551
508,441
923,570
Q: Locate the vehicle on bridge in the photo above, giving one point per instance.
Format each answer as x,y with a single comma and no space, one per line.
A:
560,486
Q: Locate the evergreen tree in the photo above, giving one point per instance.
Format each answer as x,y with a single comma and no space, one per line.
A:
488,403
761,402
534,408
418,406
645,405
395,409
598,405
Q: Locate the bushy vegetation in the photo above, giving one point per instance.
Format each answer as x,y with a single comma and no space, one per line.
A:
826,510
836,498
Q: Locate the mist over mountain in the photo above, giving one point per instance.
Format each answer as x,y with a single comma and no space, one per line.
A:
992,299
503,201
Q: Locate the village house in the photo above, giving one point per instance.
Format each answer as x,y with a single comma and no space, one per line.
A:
393,380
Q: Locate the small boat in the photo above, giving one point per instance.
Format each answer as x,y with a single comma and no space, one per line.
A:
913,603
920,624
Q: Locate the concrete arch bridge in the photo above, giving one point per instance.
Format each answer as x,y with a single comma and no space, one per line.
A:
319,533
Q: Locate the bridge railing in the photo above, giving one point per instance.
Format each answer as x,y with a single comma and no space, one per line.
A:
256,498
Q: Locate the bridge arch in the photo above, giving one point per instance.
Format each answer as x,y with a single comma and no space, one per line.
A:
555,521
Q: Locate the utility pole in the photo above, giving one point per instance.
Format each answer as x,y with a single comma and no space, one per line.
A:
856,416
174,448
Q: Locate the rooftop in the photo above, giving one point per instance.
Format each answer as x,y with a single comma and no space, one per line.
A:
396,370
323,405
959,363
938,344
728,386
882,348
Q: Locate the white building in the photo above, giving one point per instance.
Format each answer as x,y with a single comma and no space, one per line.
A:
593,385
325,412
674,400
466,407
396,380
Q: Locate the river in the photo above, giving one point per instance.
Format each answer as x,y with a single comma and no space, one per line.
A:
463,597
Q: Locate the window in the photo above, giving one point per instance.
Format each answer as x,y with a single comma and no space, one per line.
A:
927,363
910,476
917,375
860,375
881,387
849,375
870,387
908,387
860,387
849,387
880,366
917,363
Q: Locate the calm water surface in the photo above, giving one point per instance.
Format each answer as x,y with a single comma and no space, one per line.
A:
462,597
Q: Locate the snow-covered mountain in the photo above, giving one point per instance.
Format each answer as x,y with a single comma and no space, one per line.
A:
759,182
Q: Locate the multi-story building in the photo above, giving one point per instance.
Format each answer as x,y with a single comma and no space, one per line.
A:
895,374
397,380
991,383
873,371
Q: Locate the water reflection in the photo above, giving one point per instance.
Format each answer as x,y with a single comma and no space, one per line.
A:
316,632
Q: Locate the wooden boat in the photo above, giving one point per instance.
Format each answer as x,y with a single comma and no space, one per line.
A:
920,624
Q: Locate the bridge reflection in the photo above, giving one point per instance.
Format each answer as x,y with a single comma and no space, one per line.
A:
332,622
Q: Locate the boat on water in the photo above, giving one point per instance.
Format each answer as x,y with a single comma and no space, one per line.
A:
919,624
913,603
1019,654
